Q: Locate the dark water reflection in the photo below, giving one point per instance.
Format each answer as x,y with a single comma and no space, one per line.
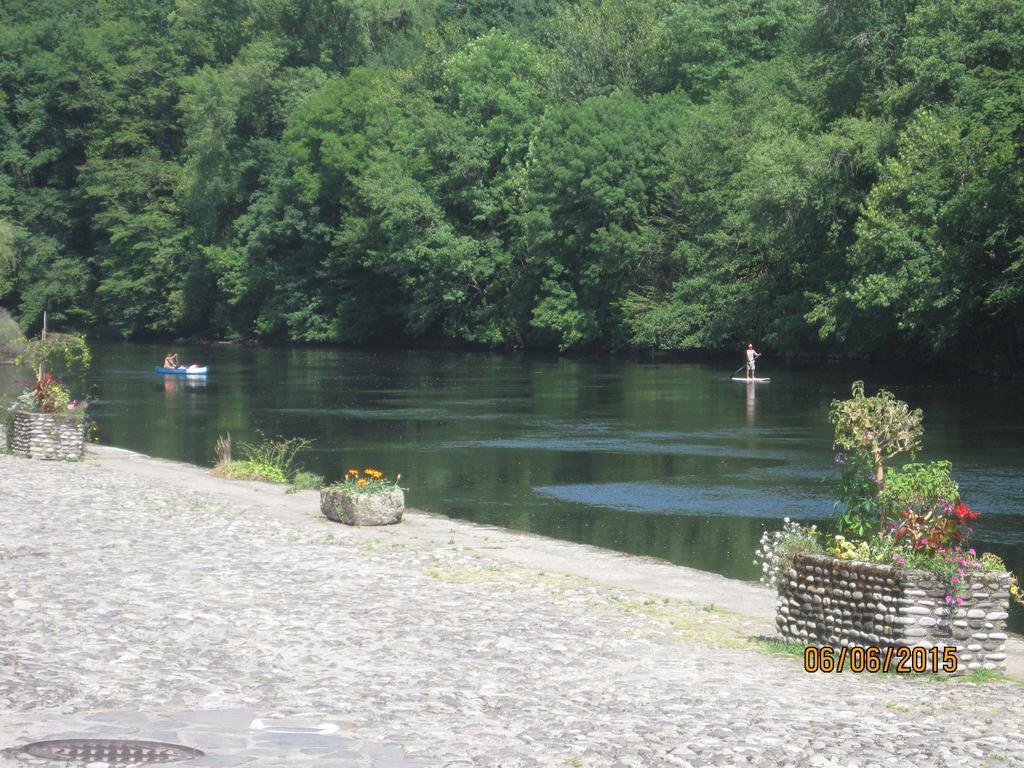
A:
663,459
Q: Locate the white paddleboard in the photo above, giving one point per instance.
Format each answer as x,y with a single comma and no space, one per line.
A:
741,378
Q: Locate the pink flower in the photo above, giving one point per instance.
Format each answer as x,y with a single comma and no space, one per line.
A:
972,553
949,598
955,580
959,600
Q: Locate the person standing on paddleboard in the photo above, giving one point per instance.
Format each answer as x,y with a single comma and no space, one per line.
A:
752,355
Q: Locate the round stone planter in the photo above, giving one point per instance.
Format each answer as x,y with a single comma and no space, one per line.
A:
46,435
362,508
828,601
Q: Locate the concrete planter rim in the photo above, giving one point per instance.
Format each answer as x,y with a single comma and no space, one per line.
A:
893,571
76,415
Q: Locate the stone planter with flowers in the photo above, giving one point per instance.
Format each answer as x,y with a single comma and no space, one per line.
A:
45,422
830,601
41,435
366,498
899,574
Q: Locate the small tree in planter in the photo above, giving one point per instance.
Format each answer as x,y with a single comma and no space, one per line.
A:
45,422
868,432
899,571
366,498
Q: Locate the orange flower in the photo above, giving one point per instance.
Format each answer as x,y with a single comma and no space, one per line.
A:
354,472
362,481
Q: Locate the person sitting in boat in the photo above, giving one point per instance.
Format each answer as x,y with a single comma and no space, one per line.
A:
752,355
171,360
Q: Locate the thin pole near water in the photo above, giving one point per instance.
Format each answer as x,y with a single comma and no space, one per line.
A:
42,360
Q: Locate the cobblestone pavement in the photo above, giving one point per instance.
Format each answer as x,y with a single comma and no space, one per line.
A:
131,611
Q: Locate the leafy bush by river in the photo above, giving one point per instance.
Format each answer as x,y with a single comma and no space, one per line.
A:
11,339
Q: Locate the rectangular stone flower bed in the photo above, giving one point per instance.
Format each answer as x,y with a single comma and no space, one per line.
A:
46,435
834,602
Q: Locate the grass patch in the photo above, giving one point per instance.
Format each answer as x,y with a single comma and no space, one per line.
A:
776,646
705,623
988,676
489,574
271,460
995,761
251,470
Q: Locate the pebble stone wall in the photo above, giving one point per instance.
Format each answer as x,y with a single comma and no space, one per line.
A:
45,435
828,601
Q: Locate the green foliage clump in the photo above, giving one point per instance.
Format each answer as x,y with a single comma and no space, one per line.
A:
11,339
270,459
922,488
68,352
245,469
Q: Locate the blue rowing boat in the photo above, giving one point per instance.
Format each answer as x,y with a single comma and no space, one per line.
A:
192,370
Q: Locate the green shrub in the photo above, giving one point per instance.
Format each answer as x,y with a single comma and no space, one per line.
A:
277,453
270,459
11,340
918,487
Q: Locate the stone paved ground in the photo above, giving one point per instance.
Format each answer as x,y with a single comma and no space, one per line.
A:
144,606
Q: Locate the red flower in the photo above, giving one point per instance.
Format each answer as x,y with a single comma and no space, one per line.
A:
964,513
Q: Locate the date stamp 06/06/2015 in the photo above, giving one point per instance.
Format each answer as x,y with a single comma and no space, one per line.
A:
867,658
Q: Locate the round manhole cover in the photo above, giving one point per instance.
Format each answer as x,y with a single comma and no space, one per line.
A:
117,751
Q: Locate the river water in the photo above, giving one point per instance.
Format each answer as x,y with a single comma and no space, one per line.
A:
654,458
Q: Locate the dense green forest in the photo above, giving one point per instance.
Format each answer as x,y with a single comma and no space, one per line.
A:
844,176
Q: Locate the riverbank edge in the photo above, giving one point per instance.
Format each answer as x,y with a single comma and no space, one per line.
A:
606,568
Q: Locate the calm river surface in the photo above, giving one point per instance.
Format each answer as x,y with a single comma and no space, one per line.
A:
664,459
